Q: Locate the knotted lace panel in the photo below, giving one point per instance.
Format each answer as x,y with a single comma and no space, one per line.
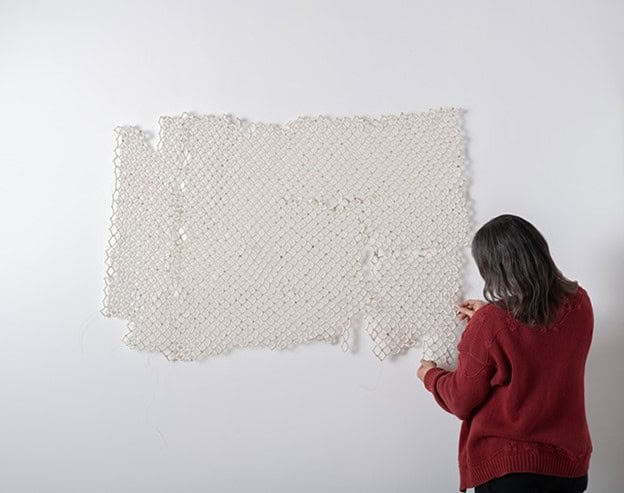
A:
238,234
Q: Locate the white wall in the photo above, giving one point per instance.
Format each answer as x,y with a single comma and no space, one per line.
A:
79,412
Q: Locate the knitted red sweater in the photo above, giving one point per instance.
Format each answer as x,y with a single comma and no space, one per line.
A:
520,393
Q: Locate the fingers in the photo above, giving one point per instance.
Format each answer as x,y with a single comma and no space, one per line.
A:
464,312
467,308
471,303
425,366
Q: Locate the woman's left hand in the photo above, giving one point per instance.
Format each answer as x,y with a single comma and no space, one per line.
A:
425,366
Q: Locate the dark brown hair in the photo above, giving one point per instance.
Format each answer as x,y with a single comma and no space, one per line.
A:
520,275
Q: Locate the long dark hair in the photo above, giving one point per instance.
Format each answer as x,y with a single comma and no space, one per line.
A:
520,275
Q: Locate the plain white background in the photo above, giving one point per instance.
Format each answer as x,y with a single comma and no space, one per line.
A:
542,84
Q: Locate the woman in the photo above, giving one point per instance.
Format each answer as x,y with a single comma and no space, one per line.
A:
519,383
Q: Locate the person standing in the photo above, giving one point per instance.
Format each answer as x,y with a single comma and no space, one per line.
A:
519,383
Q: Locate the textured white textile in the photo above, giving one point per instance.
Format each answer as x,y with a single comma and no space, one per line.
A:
237,234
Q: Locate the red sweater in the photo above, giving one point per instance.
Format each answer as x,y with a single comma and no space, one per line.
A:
520,394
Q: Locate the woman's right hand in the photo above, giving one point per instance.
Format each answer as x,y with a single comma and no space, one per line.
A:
467,308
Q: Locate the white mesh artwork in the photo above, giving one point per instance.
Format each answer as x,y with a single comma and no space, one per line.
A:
239,234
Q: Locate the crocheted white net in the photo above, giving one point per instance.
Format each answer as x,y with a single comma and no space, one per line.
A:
236,234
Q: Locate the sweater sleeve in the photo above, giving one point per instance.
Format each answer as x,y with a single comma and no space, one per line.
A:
459,392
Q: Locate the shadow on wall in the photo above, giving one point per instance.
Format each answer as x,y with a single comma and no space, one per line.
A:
604,380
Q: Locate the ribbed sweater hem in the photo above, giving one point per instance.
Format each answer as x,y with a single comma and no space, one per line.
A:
555,465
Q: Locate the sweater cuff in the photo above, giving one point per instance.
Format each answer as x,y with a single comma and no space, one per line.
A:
431,376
